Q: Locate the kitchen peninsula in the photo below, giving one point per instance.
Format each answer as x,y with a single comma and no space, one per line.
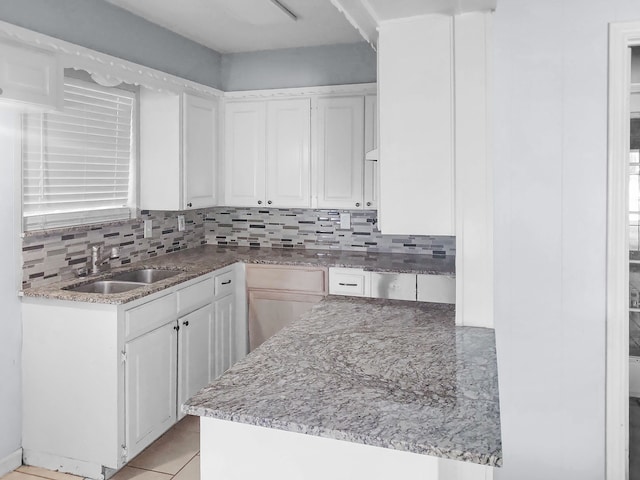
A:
379,373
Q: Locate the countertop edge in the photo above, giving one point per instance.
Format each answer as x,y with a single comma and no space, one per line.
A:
490,460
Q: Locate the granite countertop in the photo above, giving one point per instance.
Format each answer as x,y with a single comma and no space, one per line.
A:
387,373
194,262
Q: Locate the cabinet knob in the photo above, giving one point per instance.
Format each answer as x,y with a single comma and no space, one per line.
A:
269,202
368,204
186,323
176,328
357,204
189,204
259,202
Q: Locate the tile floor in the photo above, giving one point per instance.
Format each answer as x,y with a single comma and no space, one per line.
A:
174,456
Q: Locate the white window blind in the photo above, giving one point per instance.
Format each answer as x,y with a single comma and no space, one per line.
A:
77,163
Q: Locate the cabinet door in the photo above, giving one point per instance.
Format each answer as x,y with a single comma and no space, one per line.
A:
245,153
150,387
370,143
199,151
226,351
288,153
340,152
30,76
270,311
196,344
416,127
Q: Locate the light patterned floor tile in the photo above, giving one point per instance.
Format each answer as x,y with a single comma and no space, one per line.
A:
191,471
170,452
189,423
42,472
16,475
130,473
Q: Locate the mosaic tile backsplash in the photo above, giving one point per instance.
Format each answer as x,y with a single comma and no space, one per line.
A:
314,229
63,254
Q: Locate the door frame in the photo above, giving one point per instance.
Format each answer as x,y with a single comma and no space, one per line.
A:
622,36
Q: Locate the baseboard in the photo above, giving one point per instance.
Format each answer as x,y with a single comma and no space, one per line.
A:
63,464
634,377
10,462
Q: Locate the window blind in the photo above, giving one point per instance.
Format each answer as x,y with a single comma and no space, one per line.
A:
77,163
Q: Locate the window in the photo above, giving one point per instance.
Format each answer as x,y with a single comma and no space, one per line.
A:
77,164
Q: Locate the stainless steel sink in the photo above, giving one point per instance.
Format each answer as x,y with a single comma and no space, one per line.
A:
147,275
105,287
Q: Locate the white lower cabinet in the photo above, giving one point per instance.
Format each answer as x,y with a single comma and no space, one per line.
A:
196,352
356,282
101,382
226,353
150,386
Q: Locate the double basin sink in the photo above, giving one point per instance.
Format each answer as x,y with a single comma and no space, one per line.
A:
125,281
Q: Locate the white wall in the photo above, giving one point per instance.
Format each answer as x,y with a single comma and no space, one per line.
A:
10,326
550,127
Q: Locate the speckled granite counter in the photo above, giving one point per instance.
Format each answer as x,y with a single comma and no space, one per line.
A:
386,373
198,261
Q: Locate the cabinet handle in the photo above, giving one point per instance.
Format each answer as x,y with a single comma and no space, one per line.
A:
269,202
368,204
227,282
186,323
189,204
348,284
1,91
357,204
259,202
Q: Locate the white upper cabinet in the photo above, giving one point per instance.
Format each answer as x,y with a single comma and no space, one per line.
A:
340,152
267,153
370,144
245,153
200,146
29,76
416,162
288,153
178,151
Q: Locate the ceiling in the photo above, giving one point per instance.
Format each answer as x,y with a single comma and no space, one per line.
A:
230,26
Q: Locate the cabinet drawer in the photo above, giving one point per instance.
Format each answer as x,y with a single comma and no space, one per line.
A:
224,283
397,286
195,296
436,288
354,282
307,280
150,315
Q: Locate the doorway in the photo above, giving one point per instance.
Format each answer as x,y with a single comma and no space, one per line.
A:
623,225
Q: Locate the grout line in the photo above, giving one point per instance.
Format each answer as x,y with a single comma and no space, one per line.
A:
178,472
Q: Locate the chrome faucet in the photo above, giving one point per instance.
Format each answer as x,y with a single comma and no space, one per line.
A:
98,259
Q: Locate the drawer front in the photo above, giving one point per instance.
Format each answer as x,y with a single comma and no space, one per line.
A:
397,286
195,296
224,283
150,315
437,288
349,281
295,279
